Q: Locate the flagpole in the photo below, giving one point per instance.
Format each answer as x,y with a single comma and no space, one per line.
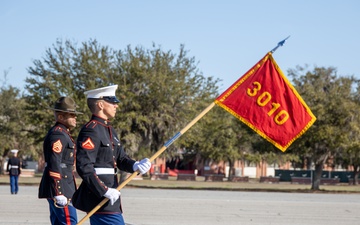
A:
281,43
152,158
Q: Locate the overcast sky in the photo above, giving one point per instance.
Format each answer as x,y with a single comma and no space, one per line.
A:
226,37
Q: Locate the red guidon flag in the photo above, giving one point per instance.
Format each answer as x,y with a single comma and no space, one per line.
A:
264,99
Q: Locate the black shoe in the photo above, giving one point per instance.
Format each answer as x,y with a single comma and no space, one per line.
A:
16,193
12,193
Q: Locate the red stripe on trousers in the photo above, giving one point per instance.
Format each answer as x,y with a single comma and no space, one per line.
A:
67,215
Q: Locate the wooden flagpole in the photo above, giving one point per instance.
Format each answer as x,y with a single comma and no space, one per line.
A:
152,158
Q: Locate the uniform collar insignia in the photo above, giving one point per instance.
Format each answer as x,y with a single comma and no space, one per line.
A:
101,120
62,126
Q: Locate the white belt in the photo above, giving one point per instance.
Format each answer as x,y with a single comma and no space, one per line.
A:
101,171
13,167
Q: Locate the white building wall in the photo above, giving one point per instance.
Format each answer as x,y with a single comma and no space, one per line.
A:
270,172
250,172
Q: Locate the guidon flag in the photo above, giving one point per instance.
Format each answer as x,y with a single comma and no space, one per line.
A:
264,99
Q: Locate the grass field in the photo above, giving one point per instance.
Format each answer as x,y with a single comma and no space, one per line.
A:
252,185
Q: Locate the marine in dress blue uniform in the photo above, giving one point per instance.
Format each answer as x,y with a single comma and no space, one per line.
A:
58,181
14,169
99,155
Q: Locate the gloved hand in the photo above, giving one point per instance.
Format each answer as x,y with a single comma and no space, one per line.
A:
143,166
61,200
112,194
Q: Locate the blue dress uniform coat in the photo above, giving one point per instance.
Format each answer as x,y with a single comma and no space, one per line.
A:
59,152
99,154
14,169
14,166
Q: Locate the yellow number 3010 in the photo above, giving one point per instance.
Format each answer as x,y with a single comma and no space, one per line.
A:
263,99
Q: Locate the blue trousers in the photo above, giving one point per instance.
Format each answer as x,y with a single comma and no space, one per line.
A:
107,219
62,216
14,186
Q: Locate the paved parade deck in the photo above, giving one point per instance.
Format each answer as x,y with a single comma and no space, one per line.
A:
200,207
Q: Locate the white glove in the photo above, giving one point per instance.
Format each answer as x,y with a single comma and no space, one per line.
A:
112,194
61,200
143,166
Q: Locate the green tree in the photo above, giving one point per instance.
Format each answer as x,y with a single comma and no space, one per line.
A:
13,126
350,145
327,96
162,92
221,137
